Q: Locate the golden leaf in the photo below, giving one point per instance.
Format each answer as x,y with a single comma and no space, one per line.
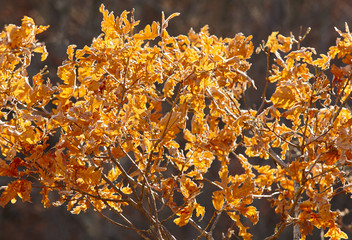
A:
278,42
67,73
335,233
44,192
149,32
251,213
185,214
188,187
218,200
126,190
42,49
70,51
306,206
113,174
243,230
323,62
200,211
284,97
20,187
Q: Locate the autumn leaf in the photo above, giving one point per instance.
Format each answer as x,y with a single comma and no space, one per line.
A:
285,96
251,213
278,42
20,187
243,229
70,51
323,62
188,187
335,233
200,211
149,32
184,215
42,49
218,200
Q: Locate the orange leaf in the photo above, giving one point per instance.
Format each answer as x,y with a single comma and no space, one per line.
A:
279,42
20,187
323,62
284,97
251,213
70,51
218,200
185,214
200,211
148,33
188,187
335,233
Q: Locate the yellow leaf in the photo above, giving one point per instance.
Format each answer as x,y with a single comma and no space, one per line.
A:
21,86
185,214
45,200
126,190
67,73
278,42
200,211
335,233
149,33
218,200
40,29
19,188
243,230
189,136
108,25
251,213
70,51
113,174
95,176
284,97
323,62
306,206
42,49
223,174
188,187
66,92
82,206
285,43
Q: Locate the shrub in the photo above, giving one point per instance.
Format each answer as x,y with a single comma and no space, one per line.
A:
144,120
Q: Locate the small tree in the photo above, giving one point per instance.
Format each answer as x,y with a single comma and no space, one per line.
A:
143,118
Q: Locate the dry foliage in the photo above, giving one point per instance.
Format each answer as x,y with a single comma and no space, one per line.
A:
142,118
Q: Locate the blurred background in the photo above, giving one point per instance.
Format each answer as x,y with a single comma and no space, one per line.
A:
78,22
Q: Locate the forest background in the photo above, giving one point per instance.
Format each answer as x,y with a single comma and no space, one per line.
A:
78,22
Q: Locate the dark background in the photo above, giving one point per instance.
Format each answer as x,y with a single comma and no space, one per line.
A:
78,22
